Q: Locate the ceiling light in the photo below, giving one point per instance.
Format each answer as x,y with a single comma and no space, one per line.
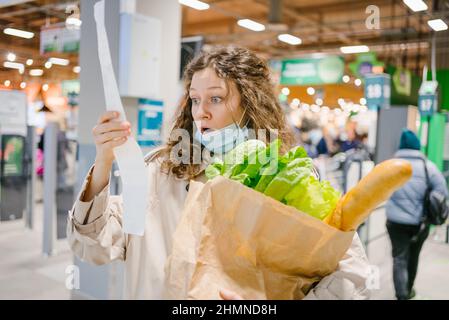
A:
59,61
7,83
23,85
72,22
250,24
45,87
354,49
357,82
363,101
295,103
346,78
310,91
195,4
77,69
288,38
18,33
14,65
36,72
437,25
415,5
48,64
11,57
319,101
29,62
285,91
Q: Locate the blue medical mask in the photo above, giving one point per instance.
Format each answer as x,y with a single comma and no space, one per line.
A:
223,140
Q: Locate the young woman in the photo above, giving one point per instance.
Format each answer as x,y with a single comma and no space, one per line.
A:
225,88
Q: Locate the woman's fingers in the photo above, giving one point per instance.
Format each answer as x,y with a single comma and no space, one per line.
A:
229,295
108,115
107,136
115,143
110,126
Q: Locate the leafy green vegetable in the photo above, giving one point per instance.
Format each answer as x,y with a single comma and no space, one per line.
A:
236,160
288,177
313,197
214,170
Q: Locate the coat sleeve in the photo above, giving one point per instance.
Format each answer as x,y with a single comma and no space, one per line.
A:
349,281
94,228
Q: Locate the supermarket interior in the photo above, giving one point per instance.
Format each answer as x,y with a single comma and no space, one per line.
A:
354,82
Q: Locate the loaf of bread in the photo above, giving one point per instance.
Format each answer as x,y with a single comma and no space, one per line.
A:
373,189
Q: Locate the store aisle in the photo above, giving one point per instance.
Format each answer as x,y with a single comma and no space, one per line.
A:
24,272
432,281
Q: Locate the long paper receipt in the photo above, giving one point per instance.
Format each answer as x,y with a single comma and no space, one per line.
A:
129,156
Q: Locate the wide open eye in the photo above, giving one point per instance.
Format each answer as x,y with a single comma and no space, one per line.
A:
195,101
216,100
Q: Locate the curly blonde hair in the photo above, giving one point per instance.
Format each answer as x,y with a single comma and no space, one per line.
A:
262,110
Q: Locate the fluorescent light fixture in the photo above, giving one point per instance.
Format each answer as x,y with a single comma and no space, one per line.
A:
346,78
14,65
7,83
23,85
357,82
73,22
415,5
195,4
285,91
36,72
18,33
310,91
437,25
76,69
11,57
354,49
59,61
45,87
48,64
251,25
29,62
290,39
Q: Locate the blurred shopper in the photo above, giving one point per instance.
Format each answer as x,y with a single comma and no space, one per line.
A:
404,214
328,144
349,139
225,88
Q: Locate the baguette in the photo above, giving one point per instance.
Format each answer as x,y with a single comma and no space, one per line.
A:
376,187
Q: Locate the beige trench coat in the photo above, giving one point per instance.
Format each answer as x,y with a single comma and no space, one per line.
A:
95,235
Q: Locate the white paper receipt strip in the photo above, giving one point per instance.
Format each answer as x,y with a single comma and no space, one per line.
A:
129,155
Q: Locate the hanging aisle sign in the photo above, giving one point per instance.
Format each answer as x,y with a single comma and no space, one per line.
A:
312,71
377,90
428,98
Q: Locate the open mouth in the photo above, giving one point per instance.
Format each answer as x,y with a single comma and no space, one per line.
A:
206,130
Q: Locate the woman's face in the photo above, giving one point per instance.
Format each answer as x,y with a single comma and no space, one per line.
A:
213,107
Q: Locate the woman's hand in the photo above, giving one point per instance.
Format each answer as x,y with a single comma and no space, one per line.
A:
229,295
108,134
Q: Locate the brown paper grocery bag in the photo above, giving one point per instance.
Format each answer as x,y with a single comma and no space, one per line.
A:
232,237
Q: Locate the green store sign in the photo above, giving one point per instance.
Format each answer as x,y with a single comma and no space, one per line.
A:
312,71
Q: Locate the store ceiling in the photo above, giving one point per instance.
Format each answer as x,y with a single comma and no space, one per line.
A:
32,16
323,26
